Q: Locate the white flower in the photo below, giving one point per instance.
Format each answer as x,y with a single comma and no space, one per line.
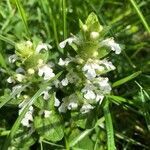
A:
72,102
86,108
91,67
107,64
47,113
57,102
112,44
19,77
45,93
103,84
42,46
28,117
64,62
69,103
99,98
88,91
46,71
69,41
12,58
56,83
89,95
10,80
64,82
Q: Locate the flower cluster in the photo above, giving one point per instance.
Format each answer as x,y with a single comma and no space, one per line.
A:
83,83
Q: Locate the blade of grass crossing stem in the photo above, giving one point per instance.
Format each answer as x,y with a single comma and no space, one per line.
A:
144,105
85,133
7,40
64,18
109,127
26,108
18,91
23,15
80,137
138,11
126,79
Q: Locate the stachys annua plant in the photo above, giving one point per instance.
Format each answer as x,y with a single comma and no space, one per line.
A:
76,84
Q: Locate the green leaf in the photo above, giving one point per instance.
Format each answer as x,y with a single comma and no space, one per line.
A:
126,79
109,127
50,128
23,139
92,23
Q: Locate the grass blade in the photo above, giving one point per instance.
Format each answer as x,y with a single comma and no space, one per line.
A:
2,61
80,137
126,79
64,18
143,95
109,127
143,20
5,39
23,15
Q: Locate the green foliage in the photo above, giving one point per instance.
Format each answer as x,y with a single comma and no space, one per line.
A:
50,128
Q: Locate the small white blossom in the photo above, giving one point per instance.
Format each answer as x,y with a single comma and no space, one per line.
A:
56,83
99,98
69,103
69,41
64,62
57,102
12,58
19,77
27,118
86,108
107,64
91,67
103,84
89,95
47,113
42,46
10,80
64,82
46,71
112,44
46,94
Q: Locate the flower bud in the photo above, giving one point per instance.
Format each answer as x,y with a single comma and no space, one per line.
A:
31,71
94,35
